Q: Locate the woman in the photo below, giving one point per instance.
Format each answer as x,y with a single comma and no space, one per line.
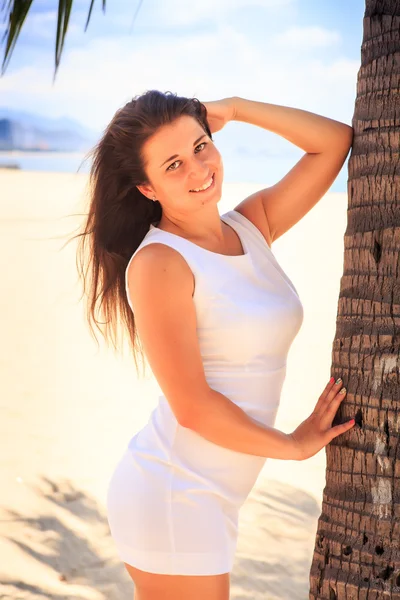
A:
215,315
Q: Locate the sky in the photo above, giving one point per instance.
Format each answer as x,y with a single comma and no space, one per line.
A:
299,53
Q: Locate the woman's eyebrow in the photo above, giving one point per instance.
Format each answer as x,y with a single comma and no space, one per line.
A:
176,155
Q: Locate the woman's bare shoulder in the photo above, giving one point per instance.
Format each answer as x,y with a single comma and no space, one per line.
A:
153,261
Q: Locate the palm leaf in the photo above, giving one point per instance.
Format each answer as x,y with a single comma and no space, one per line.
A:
15,12
90,12
64,12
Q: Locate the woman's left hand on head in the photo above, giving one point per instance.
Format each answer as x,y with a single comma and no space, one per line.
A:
220,112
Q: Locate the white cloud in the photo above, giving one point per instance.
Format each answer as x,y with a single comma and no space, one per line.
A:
182,12
43,25
307,37
95,80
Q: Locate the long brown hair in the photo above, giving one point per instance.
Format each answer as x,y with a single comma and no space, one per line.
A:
119,215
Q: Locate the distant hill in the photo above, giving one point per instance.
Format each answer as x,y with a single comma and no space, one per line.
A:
25,131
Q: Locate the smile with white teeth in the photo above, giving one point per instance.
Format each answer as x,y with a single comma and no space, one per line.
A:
204,187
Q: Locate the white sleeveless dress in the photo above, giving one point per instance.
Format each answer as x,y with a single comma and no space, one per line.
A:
174,497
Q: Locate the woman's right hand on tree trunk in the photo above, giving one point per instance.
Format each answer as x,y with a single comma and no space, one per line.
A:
316,432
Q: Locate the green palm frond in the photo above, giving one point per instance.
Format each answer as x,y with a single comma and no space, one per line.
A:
90,12
64,12
15,12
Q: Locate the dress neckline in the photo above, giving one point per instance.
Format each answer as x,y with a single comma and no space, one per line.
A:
245,247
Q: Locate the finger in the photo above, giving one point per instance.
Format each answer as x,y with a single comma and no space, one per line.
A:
334,389
332,392
332,407
322,399
342,428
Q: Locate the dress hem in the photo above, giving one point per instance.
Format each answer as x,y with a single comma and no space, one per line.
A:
165,563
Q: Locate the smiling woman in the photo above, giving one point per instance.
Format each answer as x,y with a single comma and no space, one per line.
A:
216,316
156,144
194,169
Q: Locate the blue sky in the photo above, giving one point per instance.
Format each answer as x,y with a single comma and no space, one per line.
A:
301,53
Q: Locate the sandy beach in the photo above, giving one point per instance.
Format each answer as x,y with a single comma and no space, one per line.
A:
68,408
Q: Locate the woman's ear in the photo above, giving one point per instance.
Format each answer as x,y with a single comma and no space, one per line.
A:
146,191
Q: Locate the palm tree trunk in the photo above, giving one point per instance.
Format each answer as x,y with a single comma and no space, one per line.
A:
357,547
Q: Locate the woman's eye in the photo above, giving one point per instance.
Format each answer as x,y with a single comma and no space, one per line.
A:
202,144
171,166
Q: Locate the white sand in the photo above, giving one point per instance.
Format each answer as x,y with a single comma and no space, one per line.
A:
68,409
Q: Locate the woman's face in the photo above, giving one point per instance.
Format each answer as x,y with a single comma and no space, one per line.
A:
180,158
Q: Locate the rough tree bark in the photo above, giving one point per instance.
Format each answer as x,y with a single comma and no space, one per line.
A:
357,547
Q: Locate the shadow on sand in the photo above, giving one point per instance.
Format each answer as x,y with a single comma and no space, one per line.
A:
67,552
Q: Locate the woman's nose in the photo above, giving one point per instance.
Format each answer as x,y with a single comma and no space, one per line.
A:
200,170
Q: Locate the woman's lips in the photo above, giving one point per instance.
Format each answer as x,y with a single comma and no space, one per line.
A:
206,190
